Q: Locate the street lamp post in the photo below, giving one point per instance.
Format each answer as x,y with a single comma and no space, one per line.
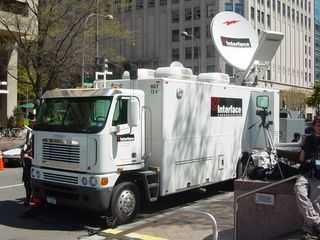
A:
199,50
108,17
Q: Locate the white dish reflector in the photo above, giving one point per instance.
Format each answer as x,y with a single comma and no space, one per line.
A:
234,38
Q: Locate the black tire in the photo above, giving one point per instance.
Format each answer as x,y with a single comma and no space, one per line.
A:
125,202
242,162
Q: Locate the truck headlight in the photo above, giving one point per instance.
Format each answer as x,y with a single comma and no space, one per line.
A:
33,173
84,181
93,181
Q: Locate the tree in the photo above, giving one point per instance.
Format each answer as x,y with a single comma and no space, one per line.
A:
49,36
294,99
314,99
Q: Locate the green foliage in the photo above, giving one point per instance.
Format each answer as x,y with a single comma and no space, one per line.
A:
314,99
50,41
17,116
294,98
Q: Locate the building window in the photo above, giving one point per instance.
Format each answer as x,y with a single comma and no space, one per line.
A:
293,16
188,53
252,13
301,18
196,32
279,6
196,13
175,16
268,3
258,15
175,1
150,3
139,4
238,7
262,17
283,9
305,21
210,51
268,74
228,7
117,5
268,20
273,5
208,32
189,31
175,35
196,52
196,70
175,54
211,10
188,14
210,68
297,16
128,5
163,2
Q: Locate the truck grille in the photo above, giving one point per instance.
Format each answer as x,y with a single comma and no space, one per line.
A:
60,178
61,151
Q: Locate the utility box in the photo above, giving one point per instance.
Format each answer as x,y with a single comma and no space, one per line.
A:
288,127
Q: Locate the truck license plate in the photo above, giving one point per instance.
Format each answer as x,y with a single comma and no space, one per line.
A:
51,200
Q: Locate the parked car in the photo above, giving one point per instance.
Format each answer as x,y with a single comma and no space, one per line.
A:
12,157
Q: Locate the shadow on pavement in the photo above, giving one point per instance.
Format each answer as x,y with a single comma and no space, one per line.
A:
15,214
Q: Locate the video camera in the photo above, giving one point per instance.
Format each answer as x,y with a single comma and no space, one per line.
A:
263,113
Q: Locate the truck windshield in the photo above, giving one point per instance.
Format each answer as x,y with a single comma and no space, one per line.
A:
79,115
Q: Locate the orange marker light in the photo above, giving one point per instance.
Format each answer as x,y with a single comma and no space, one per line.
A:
104,181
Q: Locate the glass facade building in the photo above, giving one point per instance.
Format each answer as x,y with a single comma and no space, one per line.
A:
317,40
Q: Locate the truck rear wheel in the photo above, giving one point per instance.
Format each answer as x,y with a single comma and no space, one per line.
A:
125,202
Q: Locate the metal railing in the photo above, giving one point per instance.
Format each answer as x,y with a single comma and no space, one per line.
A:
121,235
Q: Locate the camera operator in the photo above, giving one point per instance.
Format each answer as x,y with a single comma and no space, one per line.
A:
307,186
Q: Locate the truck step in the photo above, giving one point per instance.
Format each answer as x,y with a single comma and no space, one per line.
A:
151,184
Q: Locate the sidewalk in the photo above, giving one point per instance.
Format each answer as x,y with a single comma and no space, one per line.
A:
180,225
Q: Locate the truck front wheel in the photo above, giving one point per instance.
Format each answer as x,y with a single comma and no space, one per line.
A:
125,202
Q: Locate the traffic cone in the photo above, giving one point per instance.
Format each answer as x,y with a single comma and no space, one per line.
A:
1,162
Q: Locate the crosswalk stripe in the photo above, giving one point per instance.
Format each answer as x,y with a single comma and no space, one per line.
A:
133,235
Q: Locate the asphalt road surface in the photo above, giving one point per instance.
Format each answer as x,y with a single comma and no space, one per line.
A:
18,222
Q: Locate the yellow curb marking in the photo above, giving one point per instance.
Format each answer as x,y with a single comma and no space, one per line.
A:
134,235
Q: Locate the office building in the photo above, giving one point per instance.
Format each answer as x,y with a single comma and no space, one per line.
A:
9,56
157,25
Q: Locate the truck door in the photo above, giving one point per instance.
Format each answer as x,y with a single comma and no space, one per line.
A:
126,141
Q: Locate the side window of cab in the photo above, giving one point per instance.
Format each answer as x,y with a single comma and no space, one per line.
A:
120,115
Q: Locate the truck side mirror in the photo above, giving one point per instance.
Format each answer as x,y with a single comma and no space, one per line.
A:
133,113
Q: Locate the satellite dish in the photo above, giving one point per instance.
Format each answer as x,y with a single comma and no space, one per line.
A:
234,38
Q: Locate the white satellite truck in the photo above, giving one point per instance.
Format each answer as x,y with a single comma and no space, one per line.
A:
130,141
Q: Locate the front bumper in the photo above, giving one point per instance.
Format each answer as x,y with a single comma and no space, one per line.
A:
70,195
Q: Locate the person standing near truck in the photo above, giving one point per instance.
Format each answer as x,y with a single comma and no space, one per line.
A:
307,186
26,174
